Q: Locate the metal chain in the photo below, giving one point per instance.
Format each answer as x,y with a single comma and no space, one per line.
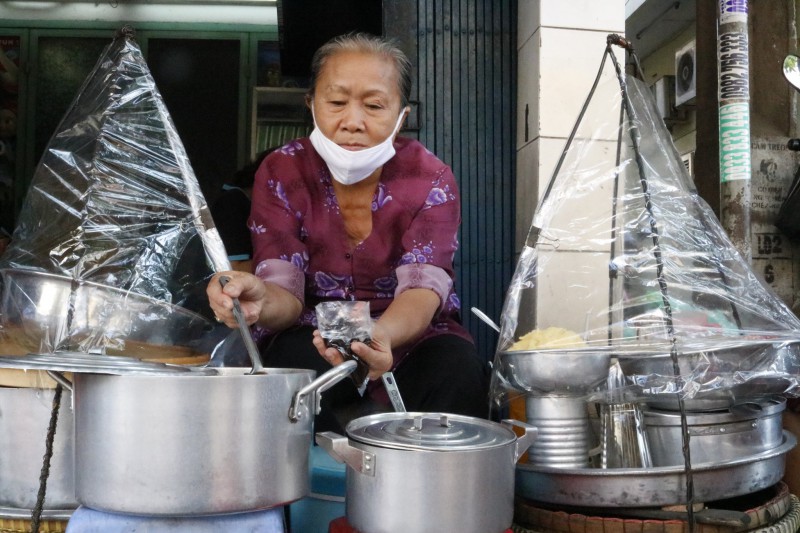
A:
36,514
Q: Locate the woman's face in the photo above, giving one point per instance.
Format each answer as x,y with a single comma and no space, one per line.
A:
356,99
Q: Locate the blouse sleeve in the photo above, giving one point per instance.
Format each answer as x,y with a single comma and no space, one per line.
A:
279,253
431,240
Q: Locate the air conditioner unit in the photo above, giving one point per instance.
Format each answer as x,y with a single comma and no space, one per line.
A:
663,90
664,95
686,74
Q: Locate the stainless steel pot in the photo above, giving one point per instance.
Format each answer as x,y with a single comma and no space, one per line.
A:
747,427
194,444
416,472
24,418
560,371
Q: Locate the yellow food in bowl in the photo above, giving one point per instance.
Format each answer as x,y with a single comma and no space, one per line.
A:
551,337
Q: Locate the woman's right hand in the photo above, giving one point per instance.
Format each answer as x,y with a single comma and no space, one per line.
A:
250,291
377,355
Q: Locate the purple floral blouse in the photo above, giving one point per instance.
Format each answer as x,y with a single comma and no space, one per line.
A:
300,243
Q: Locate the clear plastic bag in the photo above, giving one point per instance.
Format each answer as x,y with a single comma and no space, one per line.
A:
342,322
625,262
114,244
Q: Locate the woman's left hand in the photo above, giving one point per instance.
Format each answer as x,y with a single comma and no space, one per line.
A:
377,355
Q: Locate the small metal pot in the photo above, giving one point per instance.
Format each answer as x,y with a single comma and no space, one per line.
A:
416,472
194,444
24,419
747,427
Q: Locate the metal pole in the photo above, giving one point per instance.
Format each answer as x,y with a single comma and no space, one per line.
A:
734,123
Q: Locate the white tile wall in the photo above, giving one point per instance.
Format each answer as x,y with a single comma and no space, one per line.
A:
604,15
550,149
528,88
583,192
568,64
572,287
537,158
561,44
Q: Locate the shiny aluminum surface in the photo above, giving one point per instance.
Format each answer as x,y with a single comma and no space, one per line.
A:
48,312
444,488
24,419
429,431
190,444
566,371
97,364
717,376
652,487
194,444
14,513
564,437
747,427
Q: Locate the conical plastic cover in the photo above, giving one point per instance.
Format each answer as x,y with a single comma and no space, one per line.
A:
625,260
114,225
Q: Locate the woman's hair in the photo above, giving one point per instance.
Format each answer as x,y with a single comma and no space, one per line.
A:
367,43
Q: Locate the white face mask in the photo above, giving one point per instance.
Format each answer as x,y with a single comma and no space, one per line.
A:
351,166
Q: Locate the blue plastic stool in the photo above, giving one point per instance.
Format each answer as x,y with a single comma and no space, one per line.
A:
86,520
314,513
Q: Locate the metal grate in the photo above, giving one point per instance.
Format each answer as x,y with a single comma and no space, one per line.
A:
465,80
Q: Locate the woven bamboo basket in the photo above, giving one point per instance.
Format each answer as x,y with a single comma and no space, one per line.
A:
780,513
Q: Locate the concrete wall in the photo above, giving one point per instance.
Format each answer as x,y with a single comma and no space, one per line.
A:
559,47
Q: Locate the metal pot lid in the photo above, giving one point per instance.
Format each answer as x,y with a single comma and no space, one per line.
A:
89,363
429,431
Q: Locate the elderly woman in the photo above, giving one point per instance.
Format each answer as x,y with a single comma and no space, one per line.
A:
354,212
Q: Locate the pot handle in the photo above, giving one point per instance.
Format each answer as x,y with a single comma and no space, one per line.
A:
525,440
316,388
339,448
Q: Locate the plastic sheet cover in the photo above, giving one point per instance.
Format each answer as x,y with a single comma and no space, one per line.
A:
114,244
625,262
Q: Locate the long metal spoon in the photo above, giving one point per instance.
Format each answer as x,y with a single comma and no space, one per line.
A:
485,318
244,329
394,392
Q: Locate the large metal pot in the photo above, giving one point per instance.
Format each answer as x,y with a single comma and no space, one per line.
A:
747,427
416,472
194,444
24,418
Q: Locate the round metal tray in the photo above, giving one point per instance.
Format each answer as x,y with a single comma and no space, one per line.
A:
97,364
25,514
652,487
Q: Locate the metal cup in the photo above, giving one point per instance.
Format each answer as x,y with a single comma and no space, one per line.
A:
564,434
